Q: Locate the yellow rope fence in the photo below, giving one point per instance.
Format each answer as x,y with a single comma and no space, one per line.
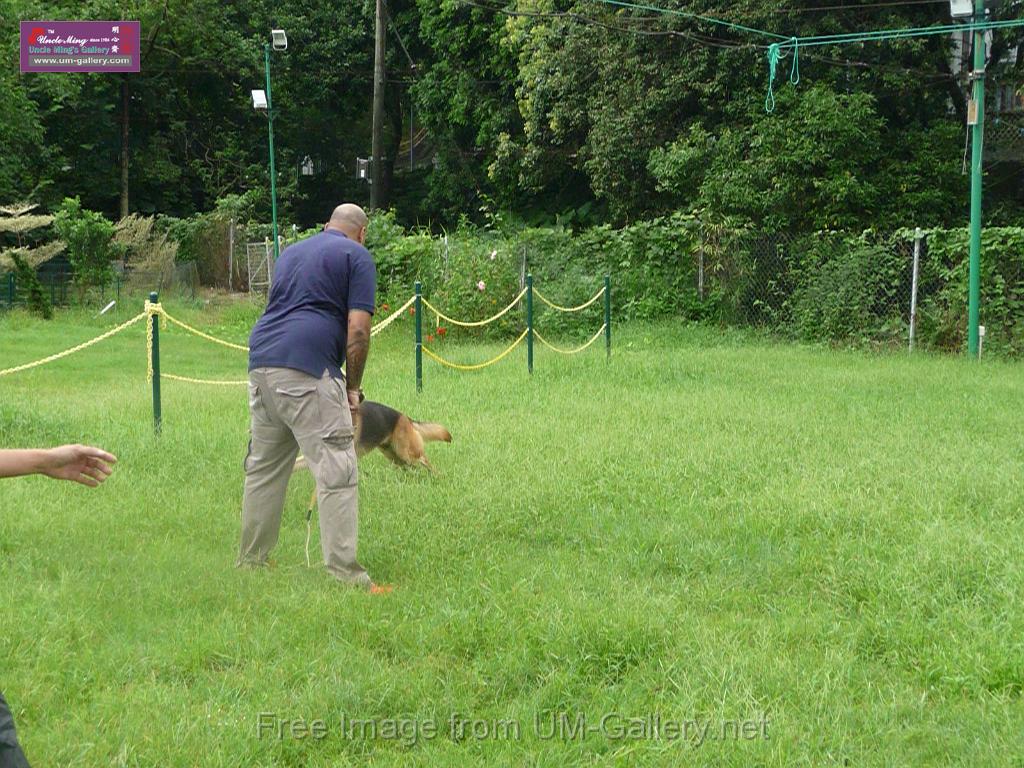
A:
211,382
73,350
478,366
561,351
392,317
583,306
208,337
157,309
475,323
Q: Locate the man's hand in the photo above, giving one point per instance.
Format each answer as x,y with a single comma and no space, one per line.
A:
78,463
354,396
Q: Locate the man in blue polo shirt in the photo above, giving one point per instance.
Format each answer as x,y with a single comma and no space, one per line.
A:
317,317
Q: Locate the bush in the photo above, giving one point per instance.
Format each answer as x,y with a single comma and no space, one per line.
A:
89,239
471,274
27,277
848,291
944,280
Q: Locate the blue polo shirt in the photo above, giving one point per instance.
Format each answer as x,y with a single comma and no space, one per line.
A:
305,325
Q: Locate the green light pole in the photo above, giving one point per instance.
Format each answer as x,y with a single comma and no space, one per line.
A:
280,43
270,129
977,147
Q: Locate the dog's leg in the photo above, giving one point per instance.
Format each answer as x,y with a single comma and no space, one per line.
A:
392,456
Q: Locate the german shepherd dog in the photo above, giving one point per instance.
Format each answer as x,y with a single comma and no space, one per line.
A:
396,435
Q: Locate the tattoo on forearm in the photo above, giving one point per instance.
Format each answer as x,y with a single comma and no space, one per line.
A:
357,349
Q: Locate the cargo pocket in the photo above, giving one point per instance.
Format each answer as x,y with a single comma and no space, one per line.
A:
340,469
299,407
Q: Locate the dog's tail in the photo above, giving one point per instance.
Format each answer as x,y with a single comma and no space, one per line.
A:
430,431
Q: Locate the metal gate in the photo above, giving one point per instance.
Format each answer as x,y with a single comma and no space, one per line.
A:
260,259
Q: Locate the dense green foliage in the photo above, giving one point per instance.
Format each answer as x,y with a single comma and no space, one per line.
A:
552,109
784,174
822,287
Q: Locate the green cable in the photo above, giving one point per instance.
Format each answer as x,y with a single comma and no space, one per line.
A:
688,15
774,57
773,63
794,72
895,34
775,50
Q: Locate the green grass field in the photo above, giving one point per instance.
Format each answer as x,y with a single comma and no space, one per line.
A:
799,556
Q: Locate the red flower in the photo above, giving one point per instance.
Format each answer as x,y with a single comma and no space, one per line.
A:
430,337
412,310
441,330
384,307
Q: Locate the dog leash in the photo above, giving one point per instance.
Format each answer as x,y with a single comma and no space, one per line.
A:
309,523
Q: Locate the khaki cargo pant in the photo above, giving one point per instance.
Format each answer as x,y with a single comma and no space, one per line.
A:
292,411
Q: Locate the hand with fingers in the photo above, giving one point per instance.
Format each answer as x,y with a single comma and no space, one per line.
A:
78,463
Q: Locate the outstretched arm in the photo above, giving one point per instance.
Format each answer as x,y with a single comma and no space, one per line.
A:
78,463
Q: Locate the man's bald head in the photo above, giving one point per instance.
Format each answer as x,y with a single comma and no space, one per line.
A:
351,220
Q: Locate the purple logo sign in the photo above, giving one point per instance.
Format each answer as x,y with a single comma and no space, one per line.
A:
80,46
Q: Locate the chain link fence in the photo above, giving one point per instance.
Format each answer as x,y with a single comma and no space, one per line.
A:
869,289
825,286
180,281
881,290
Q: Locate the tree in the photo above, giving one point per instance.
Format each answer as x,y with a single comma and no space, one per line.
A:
23,259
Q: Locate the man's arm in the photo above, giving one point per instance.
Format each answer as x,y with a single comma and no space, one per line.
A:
356,352
79,463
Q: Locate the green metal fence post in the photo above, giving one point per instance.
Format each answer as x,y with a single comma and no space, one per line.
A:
977,157
608,316
529,323
419,336
154,329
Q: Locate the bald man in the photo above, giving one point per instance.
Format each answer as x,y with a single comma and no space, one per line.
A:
317,318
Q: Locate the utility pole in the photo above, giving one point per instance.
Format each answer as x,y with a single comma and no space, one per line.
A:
124,146
977,112
377,146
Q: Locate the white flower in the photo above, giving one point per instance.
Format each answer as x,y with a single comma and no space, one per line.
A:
481,285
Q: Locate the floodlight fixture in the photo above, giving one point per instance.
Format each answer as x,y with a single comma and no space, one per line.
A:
280,39
961,9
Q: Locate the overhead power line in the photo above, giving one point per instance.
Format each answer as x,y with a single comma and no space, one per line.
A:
694,16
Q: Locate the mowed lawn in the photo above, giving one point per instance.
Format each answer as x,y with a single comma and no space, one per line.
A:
796,555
